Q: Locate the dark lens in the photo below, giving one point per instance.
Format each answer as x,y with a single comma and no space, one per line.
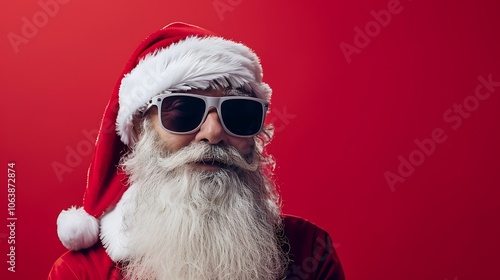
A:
182,113
242,116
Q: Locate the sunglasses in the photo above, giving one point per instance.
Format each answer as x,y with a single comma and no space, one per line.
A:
181,113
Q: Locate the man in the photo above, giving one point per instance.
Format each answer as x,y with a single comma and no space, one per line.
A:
183,189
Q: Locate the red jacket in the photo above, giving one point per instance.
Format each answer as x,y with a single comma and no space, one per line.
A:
310,250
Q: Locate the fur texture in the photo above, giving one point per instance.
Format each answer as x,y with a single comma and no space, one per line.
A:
77,229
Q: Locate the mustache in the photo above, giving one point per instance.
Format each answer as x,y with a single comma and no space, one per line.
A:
228,156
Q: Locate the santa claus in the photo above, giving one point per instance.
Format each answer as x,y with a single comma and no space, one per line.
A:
181,186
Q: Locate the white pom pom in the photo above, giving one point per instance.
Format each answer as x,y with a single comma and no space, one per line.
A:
77,229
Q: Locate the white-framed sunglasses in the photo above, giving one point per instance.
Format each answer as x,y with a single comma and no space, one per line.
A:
184,113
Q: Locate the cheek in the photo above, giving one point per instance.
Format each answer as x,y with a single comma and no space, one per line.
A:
244,145
173,142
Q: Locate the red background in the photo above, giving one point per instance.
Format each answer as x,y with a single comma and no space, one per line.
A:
345,124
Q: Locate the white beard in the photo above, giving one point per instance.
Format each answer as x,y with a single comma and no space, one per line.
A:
185,223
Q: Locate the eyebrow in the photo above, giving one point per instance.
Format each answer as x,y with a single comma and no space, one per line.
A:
233,91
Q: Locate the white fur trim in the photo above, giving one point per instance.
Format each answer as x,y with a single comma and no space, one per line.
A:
77,229
195,62
113,235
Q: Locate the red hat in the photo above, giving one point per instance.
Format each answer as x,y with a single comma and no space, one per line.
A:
177,57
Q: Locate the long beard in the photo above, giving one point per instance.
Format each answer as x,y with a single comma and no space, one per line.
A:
186,223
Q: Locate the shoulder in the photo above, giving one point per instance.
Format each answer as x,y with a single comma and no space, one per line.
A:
311,251
92,263
295,221
297,227
301,236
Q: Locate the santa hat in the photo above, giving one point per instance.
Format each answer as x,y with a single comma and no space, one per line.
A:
176,57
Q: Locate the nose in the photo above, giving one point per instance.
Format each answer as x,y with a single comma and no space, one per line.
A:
211,130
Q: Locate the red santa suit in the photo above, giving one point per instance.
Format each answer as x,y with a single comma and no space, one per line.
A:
166,60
